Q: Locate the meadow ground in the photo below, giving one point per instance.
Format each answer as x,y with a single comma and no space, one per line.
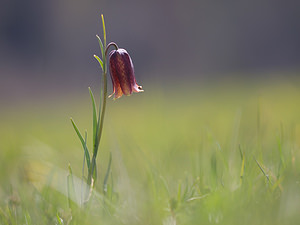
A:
225,153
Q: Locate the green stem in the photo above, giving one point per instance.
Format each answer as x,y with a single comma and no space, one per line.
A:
110,44
100,122
102,109
101,117
99,127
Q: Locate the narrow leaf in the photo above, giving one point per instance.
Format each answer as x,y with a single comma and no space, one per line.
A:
99,60
86,151
104,31
94,116
101,46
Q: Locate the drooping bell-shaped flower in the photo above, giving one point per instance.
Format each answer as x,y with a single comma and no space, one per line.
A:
122,73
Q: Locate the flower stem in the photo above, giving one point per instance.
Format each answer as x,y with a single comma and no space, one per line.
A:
111,44
101,119
102,108
104,95
92,172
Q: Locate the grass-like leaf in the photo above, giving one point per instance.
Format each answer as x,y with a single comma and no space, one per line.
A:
101,46
99,60
86,151
104,31
95,122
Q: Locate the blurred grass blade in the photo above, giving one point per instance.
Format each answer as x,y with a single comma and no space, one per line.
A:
110,191
214,171
241,152
82,176
242,167
179,192
86,151
95,173
71,189
186,190
92,175
107,174
99,60
262,170
101,46
165,185
94,116
59,220
280,140
27,218
278,184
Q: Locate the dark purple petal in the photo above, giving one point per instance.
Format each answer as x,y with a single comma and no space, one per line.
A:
122,73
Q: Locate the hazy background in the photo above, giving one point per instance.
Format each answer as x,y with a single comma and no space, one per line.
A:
47,47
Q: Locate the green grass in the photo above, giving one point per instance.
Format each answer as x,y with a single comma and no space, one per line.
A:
211,154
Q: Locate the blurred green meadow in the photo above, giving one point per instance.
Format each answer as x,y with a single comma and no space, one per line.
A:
212,153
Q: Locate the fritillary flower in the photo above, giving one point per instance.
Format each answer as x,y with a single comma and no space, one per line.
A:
122,74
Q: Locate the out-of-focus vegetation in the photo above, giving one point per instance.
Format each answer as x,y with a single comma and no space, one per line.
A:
199,154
